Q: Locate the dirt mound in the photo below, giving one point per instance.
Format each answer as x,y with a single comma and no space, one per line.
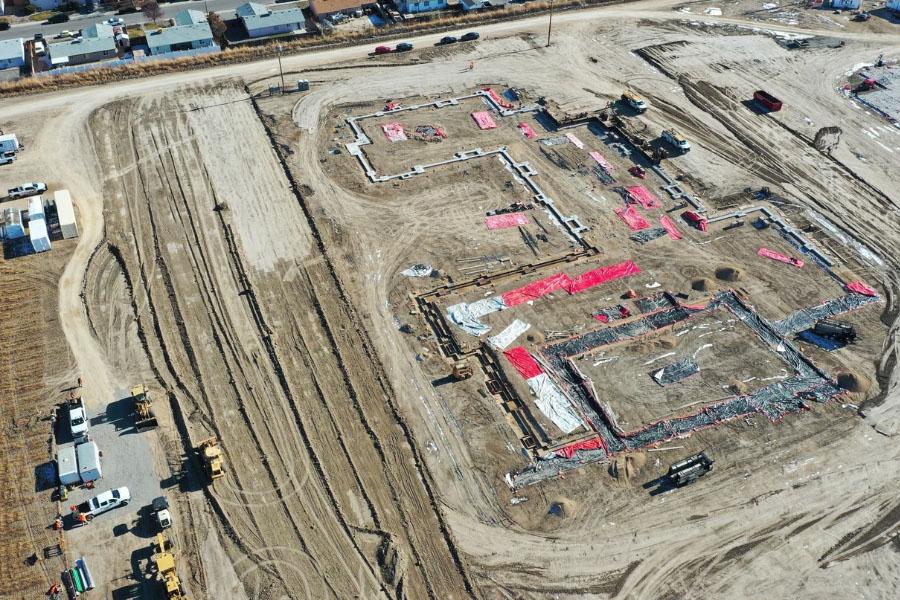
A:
704,284
663,342
737,387
854,383
627,466
729,274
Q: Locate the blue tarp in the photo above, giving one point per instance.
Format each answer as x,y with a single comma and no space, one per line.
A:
822,342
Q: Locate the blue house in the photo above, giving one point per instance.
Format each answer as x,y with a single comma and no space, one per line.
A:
192,32
418,6
12,53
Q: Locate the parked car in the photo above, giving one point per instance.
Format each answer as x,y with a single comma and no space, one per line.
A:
447,40
404,47
4,25
65,33
108,500
39,48
58,18
39,37
116,21
470,37
382,50
78,423
27,189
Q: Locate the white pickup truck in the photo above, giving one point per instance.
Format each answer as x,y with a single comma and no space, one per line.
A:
78,423
101,503
27,189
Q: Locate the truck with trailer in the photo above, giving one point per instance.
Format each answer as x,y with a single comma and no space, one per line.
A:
690,469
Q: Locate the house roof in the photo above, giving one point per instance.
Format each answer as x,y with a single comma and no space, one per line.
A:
180,34
87,45
11,49
250,9
273,18
189,17
97,30
324,7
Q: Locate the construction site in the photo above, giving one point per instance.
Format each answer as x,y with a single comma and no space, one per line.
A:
593,316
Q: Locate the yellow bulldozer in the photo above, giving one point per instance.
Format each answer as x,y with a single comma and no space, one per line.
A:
144,418
164,560
211,454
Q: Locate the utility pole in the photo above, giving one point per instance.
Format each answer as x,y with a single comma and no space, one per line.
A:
280,70
550,26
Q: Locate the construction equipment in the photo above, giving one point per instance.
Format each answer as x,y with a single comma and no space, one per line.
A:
690,469
211,454
144,418
634,101
461,370
676,139
835,330
164,559
161,514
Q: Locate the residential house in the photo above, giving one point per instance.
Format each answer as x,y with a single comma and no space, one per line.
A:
12,53
191,32
96,42
845,4
324,9
259,21
418,6
893,5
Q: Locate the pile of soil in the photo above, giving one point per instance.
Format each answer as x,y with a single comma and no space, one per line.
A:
704,284
854,383
729,274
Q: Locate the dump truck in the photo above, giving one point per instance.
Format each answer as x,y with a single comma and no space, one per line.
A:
161,514
690,469
211,454
164,560
144,418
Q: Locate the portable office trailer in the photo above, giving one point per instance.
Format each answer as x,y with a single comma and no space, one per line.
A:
67,465
12,224
40,239
65,212
88,462
36,208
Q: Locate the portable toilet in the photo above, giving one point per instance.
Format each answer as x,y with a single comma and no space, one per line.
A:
36,208
65,212
88,462
12,224
302,85
40,239
67,465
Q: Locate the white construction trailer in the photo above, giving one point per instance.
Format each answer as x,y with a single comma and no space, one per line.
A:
9,143
40,239
66,214
36,208
67,465
88,462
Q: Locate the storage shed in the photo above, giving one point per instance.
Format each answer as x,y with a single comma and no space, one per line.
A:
88,462
65,212
40,239
67,465
12,224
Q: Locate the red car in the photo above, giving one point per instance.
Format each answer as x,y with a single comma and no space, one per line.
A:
382,50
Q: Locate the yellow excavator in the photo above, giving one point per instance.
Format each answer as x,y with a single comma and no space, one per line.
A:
144,418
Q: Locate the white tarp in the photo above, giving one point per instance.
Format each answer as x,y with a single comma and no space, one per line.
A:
555,406
506,337
466,316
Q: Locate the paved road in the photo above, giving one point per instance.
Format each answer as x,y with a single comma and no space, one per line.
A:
28,29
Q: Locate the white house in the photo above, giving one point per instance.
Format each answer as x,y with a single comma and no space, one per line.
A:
418,6
95,43
259,21
12,53
468,5
191,32
845,4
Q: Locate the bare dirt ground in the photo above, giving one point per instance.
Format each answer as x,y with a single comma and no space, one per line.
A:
256,284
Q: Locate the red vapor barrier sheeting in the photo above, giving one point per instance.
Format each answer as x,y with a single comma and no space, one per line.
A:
601,161
536,289
765,252
524,363
527,130
484,120
861,288
601,275
394,132
506,220
669,225
496,98
570,450
632,218
644,197
695,220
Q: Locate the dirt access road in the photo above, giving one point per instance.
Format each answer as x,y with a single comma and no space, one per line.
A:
327,492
